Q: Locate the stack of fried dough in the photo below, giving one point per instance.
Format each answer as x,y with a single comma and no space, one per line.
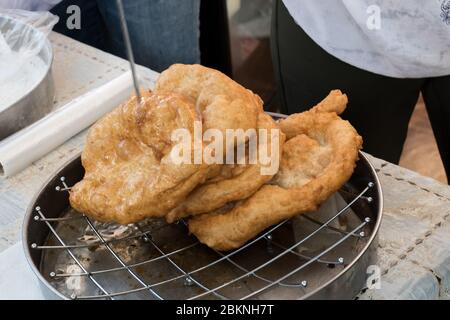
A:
131,174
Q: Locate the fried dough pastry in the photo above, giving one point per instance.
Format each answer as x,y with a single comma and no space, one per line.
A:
234,182
222,102
130,174
318,158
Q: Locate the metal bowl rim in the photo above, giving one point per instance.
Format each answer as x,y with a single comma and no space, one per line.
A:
48,48
356,260
28,218
371,240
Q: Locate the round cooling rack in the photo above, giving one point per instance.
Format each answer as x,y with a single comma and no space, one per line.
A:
320,255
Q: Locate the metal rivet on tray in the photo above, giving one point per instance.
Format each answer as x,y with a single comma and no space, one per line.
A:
188,281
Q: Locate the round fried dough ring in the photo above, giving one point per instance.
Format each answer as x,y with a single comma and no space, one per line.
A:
274,203
215,194
130,174
222,102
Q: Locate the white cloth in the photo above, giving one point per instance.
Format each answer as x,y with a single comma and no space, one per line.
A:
30,5
413,39
17,280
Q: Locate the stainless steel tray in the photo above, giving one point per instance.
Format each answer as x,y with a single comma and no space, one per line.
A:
320,255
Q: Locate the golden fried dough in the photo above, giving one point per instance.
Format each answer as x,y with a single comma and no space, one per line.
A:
318,158
235,182
130,174
222,103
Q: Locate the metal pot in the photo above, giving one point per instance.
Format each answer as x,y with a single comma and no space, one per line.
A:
38,101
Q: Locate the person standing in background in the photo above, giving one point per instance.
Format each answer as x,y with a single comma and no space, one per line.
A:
381,53
161,32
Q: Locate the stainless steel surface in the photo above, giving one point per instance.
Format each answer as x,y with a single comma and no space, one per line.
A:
317,255
126,38
37,102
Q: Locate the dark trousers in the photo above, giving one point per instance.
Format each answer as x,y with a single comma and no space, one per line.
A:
379,107
161,32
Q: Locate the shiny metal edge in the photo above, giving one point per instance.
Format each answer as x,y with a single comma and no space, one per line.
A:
45,84
327,291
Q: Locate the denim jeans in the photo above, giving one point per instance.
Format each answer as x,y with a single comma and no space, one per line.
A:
162,32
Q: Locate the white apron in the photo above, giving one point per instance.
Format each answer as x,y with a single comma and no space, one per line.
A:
411,38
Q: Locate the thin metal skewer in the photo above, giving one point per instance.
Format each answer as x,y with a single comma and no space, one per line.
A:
126,38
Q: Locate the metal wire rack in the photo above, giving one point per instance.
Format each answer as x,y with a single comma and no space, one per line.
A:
276,261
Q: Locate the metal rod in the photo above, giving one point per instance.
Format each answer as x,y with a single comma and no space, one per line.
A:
305,216
114,254
257,276
186,275
305,256
246,270
179,268
134,265
126,38
191,272
283,253
37,218
306,263
94,244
